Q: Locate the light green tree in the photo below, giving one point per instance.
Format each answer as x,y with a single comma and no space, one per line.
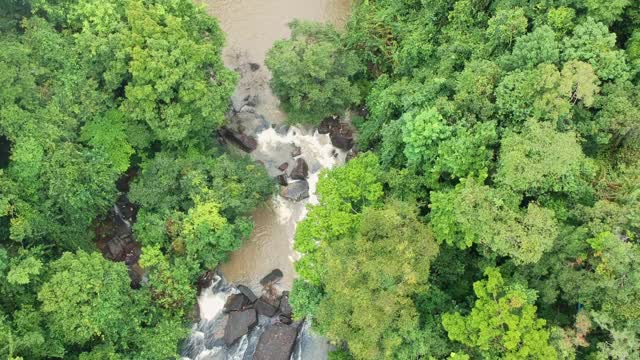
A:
312,72
502,323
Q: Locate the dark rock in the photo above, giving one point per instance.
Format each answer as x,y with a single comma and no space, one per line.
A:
297,151
245,142
341,134
122,184
283,166
281,129
235,302
248,122
342,137
205,280
284,319
274,276
296,191
239,324
300,170
285,293
285,307
254,66
264,308
251,100
136,274
328,124
248,293
276,343
282,179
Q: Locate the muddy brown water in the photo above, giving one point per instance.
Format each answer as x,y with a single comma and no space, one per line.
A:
251,27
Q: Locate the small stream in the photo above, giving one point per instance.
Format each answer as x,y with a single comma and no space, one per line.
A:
251,27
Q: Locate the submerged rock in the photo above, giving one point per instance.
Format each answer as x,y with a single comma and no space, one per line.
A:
248,293
276,343
274,276
296,191
239,324
300,170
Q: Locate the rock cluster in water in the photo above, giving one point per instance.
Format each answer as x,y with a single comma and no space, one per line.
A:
244,310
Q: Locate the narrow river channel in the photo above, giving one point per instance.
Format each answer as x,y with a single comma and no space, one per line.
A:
251,27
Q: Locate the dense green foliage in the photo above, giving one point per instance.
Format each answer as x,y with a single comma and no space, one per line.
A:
509,131
93,90
312,72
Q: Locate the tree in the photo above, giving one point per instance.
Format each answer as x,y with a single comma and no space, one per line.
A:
312,72
370,281
473,213
86,298
541,160
502,323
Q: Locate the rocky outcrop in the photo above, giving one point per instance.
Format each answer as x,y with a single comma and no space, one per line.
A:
245,142
239,324
300,170
276,343
274,276
296,191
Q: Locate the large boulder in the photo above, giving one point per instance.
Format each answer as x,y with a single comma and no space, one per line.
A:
248,293
296,191
263,307
328,124
300,170
235,302
276,343
245,142
272,277
239,324
342,137
341,134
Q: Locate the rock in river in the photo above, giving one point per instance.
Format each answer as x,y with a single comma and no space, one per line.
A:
264,308
245,142
235,302
248,293
276,343
239,324
296,191
272,277
300,170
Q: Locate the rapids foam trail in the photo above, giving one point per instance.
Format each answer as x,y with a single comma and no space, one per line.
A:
271,245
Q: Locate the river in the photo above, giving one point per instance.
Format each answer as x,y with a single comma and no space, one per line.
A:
251,27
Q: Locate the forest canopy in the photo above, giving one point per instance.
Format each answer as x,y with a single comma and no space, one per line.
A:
98,97
492,212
